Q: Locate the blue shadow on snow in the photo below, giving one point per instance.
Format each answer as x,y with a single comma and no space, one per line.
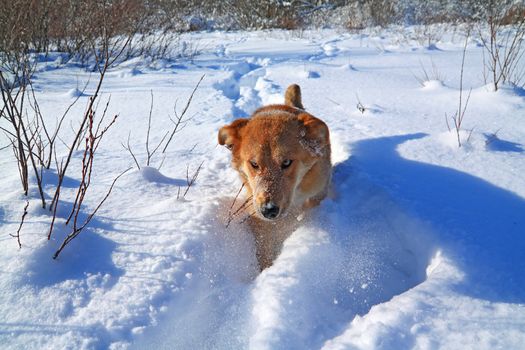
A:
488,222
88,254
494,143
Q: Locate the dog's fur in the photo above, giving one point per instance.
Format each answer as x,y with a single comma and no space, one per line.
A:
262,148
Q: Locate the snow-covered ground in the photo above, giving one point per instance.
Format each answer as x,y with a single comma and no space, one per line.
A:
421,245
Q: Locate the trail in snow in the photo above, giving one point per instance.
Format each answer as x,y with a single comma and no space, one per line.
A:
334,267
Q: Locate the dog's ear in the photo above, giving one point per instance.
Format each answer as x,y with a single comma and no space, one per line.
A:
229,135
315,134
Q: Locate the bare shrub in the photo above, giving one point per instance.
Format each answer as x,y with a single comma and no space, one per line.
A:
71,25
262,14
428,34
355,18
74,27
21,25
179,121
111,52
150,152
502,38
428,74
156,45
92,142
23,133
383,12
32,142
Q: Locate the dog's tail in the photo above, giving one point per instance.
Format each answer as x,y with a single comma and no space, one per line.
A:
292,97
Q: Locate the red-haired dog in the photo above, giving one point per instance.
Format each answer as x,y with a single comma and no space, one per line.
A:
282,154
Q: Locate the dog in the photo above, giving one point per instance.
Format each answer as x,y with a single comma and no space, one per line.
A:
282,154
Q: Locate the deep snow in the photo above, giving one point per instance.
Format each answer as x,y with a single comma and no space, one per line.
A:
421,245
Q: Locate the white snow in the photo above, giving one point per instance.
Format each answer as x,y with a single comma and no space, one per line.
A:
421,244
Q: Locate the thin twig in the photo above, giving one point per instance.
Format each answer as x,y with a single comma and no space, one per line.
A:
149,128
128,148
245,205
191,181
17,235
236,196
446,121
460,113
180,118
247,217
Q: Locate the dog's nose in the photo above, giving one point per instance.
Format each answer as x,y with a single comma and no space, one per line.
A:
270,210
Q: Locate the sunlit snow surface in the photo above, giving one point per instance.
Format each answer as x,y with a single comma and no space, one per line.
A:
420,245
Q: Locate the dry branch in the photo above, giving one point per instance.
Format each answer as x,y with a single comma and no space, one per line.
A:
128,148
77,230
151,153
245,205
191,180
459,115
91,145
180,121
17,235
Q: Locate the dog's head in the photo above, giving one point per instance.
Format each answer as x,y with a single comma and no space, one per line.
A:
272,151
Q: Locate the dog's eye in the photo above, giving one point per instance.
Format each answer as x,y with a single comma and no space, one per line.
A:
286,163
254,164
